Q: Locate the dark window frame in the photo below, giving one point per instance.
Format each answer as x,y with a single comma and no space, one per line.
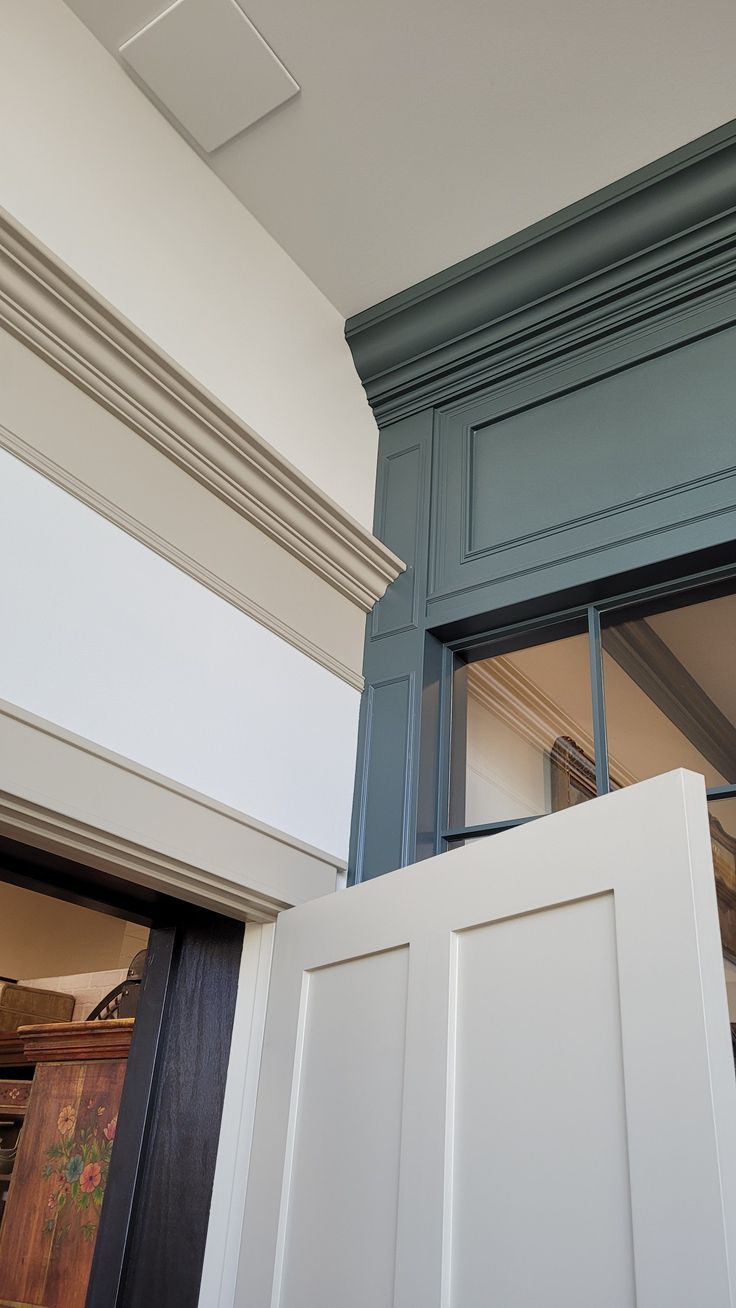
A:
583,618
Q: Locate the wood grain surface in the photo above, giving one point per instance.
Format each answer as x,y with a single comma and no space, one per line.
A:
49,1229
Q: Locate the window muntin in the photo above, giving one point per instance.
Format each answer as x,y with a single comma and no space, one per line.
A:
649,688
662,690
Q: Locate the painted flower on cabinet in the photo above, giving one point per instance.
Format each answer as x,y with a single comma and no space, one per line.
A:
77,1167
74,1168
67,1120
90,1178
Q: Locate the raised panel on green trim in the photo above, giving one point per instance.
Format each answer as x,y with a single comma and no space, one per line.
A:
398,520
382,831
557,414
622,458
615,447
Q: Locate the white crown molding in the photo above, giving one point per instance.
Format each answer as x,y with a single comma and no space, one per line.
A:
55,313
506,692
73,797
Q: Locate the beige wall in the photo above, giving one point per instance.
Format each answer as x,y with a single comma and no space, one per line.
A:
41,936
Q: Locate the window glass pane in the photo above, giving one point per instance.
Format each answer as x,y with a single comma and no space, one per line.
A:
671,693
723,844
525,741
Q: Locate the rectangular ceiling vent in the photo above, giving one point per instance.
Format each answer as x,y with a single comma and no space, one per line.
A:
206,63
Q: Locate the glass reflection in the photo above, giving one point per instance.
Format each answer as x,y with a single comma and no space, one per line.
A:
528,734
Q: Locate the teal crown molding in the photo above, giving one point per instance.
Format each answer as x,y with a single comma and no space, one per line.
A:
630,251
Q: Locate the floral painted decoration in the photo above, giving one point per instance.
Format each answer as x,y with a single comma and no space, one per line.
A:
77,1167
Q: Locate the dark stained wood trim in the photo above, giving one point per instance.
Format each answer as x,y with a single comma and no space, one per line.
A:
166,1241
650,663
76,883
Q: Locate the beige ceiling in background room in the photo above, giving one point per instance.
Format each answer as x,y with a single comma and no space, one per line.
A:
703,638
426,131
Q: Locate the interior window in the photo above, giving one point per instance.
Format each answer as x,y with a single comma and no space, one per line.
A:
524,742
670,693
528,728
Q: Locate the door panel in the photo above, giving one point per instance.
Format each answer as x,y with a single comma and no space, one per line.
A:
543,991
352,1036
504,1076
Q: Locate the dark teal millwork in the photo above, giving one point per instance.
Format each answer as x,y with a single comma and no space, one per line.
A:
558,418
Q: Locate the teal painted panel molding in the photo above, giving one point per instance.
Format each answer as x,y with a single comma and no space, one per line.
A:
557,415
632,439
399,518
645,450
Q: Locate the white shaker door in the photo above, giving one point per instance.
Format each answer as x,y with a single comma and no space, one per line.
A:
502,1078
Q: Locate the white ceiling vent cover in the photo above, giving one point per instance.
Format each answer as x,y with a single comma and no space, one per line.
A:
206,63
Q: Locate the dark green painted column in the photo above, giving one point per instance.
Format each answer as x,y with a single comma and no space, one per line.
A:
385,813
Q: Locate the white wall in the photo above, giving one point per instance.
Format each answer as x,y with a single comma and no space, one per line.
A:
94,171
105,638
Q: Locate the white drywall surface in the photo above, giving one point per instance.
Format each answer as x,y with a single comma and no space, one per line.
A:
108,640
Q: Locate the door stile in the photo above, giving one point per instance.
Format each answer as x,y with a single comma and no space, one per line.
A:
662,879
423,1158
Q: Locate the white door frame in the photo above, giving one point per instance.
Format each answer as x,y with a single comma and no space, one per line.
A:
65,794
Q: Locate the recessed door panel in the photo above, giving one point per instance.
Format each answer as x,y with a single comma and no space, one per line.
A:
504,1077
539,1121
351,1068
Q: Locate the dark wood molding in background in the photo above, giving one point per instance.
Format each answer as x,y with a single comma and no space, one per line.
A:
650,663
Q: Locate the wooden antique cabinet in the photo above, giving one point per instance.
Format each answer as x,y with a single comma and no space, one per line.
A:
48,1232
14,1097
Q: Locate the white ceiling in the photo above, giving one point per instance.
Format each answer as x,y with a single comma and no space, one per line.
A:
427,130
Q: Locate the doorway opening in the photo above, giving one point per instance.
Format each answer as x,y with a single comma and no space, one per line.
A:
70,980
107,1159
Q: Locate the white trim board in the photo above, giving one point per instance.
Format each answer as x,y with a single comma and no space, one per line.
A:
59,317
68,795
